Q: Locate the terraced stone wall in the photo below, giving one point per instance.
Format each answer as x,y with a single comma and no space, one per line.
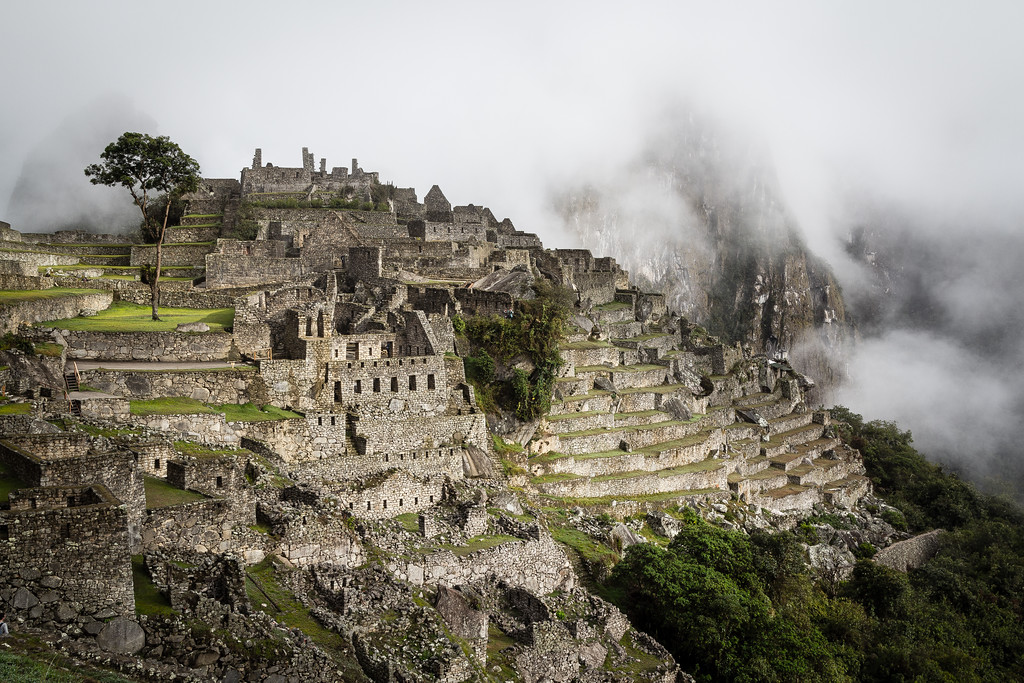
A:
173,254
226,386
148,346
14,314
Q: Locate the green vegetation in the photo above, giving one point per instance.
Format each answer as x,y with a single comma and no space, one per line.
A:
125,317
410,521
199,450
247,412
233,412
736,607
271,595
40,663
17,296
481,542
535,331
49,349
15,408
148,598
161,494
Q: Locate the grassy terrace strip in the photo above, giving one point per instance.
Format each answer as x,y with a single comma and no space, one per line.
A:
571,501
702,466
481,542
17,296
619,368
161,494
125,317
581,345
593,393
202,215
642,337
660,389
15,409
612,306
197,225
179,405
199,450
630,430
570,416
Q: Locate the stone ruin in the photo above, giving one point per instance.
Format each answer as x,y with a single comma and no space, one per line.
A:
343,318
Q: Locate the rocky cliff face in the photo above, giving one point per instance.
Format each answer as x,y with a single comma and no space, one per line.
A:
701,219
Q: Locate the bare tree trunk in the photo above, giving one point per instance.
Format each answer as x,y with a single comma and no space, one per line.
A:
159,256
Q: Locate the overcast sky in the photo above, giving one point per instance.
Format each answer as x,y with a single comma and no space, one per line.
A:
918,104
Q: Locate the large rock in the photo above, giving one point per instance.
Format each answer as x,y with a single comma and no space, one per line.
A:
121,636
24,599
193,327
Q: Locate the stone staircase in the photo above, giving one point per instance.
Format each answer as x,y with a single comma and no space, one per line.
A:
624,427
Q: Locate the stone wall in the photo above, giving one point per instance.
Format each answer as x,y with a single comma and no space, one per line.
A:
67,558
14,314
911,553
204,526
213,386
173,254
149,346
537,565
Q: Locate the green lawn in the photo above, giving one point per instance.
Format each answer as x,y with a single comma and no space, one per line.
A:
247,412
161,494
148,598
15,409
125,317
180,405
16,296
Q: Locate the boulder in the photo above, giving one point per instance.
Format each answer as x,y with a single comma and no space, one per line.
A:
677,409
193,327
121,636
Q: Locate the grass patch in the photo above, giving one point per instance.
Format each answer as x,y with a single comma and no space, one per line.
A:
261,583
43,664
502,447
613,306
161,494
199,450
481,542
125,317
17,296
557,476
148,598
586,547
106,431
410,521
248,412
16,409
51,349
604,501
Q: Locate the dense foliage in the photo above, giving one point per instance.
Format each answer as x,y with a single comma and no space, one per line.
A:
733,607
529,336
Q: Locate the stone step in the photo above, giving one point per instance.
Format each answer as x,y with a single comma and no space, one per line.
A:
589,353
752,400
706,474
789,422
614,312
578,421
626,376
817,447
657,456
788,440
845,492
747,466
745,485
819,472
747,450
639,418
787,461
597,399
787,498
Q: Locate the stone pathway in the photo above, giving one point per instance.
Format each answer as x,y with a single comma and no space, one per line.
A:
84,365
